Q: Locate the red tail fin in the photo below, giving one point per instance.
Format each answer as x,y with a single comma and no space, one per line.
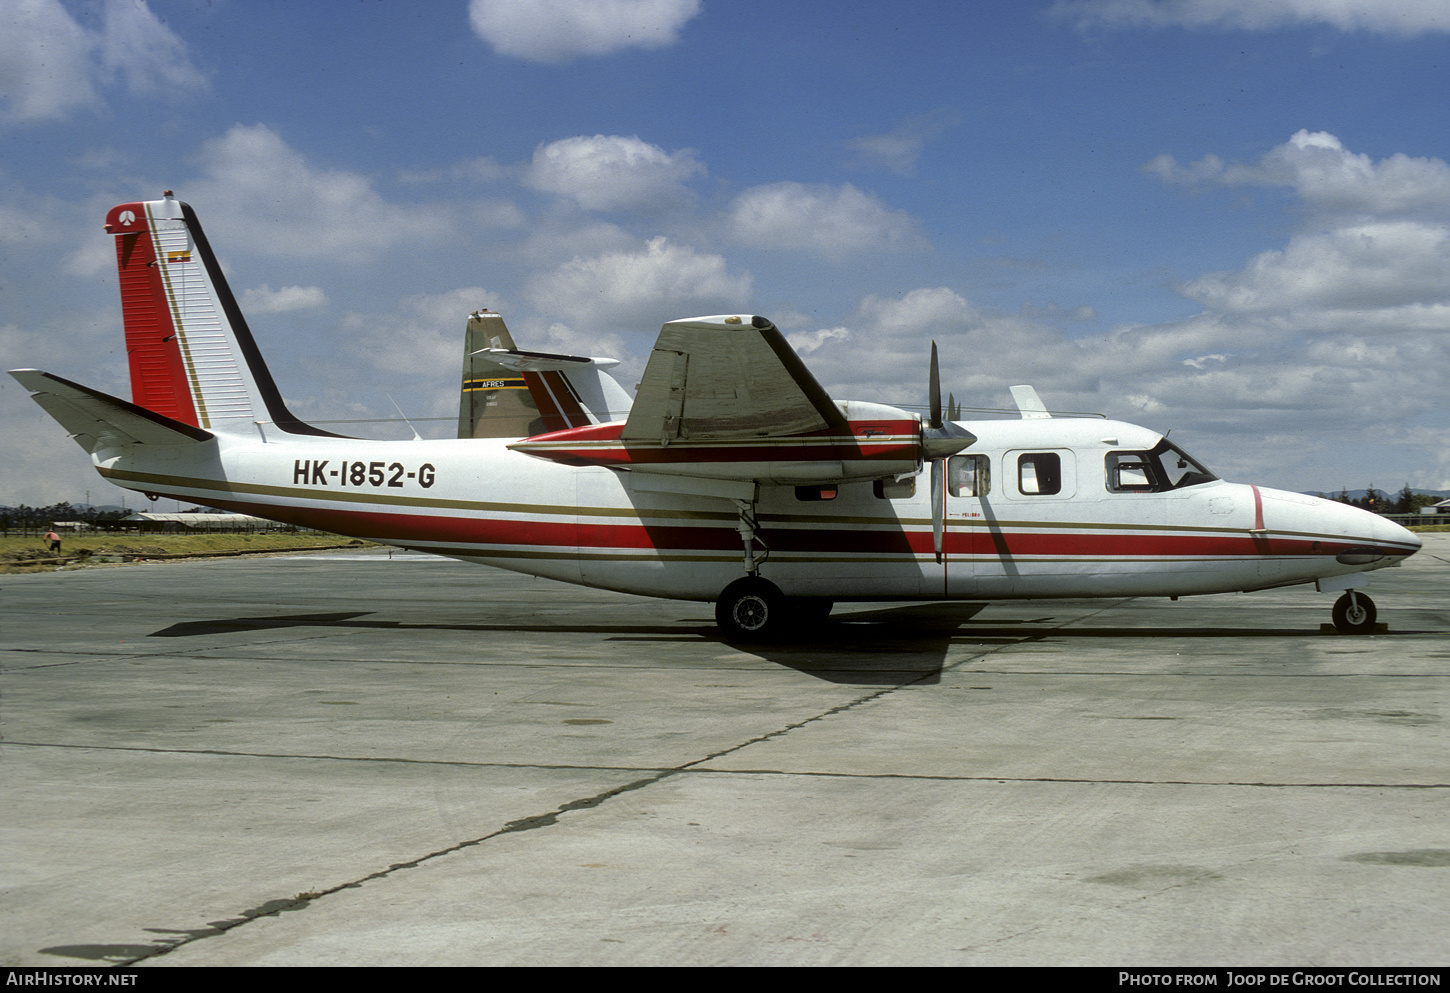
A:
158,371
191,354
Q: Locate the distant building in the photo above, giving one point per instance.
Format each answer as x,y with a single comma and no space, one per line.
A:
202,522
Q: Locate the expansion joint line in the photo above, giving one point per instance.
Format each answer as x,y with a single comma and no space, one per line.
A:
301,901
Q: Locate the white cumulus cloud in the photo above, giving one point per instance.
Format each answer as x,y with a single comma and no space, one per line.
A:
268,197
1327,175
828,220
423,336
636,289
51,65
1373,254
1361,267
265,300
806,342
1400,18
135,44
610,172
561,30
898,149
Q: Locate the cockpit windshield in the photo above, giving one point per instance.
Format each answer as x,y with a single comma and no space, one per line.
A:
1166,467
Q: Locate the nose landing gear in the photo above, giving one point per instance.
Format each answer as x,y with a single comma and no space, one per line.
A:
1354,613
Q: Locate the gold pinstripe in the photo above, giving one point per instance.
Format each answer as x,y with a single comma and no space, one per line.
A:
197,398
481,506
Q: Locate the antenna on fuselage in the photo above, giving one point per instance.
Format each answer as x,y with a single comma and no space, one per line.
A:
1029,404
416,435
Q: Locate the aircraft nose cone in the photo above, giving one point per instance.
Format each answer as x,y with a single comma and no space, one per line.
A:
1390,533
1367,537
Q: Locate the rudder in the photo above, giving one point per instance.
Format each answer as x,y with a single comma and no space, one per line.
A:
192,357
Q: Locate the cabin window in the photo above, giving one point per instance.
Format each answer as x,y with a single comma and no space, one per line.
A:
894,489
1039,473
1166,467
969,475
812,494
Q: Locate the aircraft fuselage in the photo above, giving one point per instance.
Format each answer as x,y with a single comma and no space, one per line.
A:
1008,535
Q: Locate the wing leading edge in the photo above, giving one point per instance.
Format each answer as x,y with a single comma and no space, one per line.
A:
727,377
726,397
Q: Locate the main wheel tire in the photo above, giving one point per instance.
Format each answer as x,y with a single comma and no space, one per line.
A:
750,609
1354,613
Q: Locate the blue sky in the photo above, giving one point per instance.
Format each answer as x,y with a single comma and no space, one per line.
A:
1228,218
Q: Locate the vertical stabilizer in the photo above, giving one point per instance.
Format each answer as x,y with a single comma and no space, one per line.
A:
191,354
508,393
494,401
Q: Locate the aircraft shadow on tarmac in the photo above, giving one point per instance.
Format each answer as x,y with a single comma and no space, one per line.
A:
890,646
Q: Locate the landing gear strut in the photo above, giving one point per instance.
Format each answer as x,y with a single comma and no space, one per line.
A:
1354,613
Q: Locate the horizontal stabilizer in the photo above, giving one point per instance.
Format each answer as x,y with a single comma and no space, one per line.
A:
521,361
98,421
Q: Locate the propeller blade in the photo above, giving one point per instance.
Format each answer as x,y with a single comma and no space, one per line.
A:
938,507
934,392
940,439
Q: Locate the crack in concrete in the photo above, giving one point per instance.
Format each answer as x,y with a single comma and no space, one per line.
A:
272,908
755,771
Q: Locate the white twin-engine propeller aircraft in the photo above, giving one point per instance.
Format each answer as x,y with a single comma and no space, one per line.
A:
732,476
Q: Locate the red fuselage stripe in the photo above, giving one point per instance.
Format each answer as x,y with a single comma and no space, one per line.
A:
885,540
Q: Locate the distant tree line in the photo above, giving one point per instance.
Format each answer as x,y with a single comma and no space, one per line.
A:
25,516
1407,501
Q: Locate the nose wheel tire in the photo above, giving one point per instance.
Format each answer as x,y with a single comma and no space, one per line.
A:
1354,613
750,609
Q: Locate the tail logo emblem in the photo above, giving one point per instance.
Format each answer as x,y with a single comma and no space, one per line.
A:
128,217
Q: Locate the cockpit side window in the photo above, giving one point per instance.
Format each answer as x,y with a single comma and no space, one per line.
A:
1179,468
1166,467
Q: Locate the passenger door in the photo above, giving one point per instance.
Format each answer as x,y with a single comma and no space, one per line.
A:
966,481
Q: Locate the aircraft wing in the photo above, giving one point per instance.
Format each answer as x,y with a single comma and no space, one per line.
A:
726,398
727,378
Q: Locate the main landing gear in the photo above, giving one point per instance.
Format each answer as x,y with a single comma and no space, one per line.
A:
754,609
1354,613
750,609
